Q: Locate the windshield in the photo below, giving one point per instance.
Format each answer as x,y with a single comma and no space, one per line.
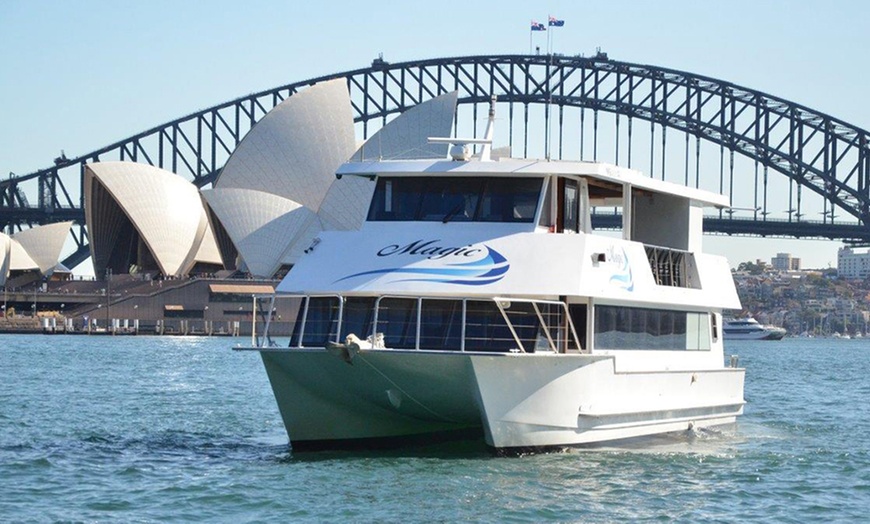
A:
455,199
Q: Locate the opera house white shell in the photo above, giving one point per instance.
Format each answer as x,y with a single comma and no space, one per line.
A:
294,150
144,217
262,226
35,249
5,257
43,245
19,259
272,205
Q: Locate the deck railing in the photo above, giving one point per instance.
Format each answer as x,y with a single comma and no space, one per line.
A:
441,323
670,267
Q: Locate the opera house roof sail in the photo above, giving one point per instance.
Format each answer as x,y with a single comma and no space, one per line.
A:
44,244
261,225
5,256
278,190
143,217
294,150
36,249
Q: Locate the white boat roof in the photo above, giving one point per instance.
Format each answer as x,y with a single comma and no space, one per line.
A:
529,167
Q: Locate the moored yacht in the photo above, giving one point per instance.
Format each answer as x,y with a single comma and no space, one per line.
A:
478,298
750,329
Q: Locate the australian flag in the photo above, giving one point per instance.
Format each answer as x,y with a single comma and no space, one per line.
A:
555,23
538,26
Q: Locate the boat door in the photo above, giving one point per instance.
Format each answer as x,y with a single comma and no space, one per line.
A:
578,314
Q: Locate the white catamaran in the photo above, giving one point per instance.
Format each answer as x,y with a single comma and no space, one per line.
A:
477,298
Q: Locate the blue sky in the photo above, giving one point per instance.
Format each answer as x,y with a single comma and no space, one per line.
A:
79,75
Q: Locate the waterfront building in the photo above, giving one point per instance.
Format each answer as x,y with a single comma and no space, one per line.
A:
785,262
852,263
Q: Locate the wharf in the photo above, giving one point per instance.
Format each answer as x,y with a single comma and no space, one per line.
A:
131,305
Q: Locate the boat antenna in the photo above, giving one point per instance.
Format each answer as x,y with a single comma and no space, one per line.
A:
486,150
459,151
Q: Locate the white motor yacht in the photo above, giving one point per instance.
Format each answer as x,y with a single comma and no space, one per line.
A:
478,299
750,329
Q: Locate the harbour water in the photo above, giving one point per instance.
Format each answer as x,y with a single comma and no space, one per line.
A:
140,429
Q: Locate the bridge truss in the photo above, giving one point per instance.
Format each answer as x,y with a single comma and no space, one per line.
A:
654,119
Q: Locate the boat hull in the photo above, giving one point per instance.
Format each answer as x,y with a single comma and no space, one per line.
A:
759,335
514,400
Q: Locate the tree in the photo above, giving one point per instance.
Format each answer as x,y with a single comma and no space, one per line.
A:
752,268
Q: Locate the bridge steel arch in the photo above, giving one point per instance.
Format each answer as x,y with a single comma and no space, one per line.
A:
817,152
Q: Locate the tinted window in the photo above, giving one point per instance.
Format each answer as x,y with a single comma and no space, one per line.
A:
440,198
441,324
357,317
639,328
450,199
510,200
397,320
396,199
321,322
486,330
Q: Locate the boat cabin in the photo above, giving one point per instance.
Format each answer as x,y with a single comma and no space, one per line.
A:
504,256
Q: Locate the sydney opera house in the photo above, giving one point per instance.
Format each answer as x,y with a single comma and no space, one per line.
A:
275,193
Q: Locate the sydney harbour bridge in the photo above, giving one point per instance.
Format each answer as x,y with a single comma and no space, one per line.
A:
790,171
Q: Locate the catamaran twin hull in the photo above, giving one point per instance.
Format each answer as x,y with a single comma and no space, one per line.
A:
487,299
535,400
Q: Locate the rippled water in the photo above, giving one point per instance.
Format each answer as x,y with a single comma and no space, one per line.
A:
145,429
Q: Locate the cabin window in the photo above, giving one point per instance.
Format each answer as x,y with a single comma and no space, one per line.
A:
641,328
546,218
450,199
316,323
441,325
357,316
578,314
455,199
510,200
437,323
486,330
568,208
397,320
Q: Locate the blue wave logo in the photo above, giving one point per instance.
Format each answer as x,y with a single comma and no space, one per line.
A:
487,270
622,278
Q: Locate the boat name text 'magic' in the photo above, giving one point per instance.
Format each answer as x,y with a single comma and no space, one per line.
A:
428,248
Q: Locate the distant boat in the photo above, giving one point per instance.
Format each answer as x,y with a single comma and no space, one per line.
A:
750,329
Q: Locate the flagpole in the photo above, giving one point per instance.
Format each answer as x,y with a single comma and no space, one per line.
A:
549,101
549,36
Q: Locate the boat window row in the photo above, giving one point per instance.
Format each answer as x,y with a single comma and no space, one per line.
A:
455,199
437,323
642,328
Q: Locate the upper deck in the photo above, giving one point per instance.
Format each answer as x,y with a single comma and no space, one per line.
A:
607,176
521,228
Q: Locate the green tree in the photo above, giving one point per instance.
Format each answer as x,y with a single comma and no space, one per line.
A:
752,267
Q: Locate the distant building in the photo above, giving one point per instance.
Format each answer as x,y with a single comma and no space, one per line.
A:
853,265
785,262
